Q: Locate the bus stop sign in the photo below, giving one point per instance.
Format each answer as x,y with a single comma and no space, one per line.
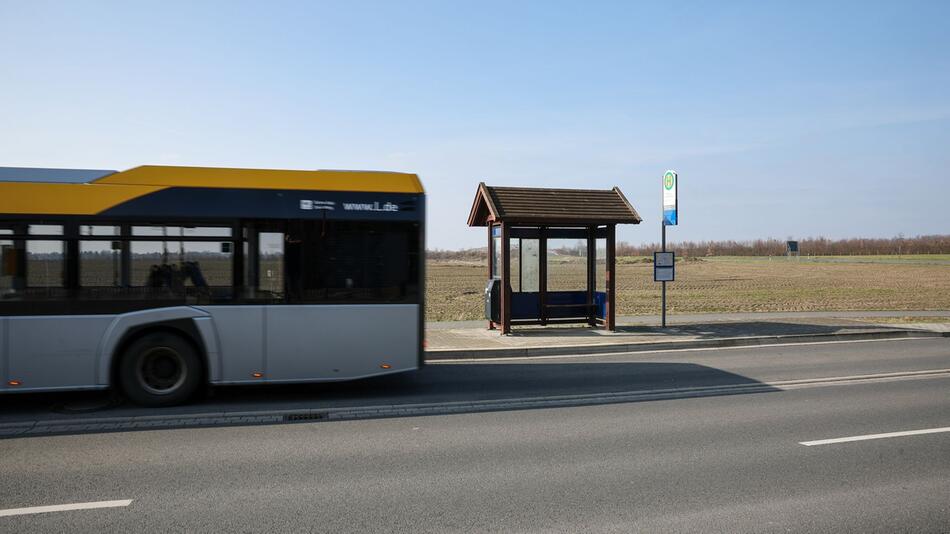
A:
670,187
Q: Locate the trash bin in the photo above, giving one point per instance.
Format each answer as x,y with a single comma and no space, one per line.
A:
493,300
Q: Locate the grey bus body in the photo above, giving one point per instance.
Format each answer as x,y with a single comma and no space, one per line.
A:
282,343
352,319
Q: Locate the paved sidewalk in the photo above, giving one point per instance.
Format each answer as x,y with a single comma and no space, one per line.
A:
474,340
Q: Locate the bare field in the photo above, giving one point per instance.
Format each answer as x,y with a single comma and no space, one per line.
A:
454,289
723,284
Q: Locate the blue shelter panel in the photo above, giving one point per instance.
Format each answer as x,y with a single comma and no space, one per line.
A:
561,305
600,304
575,299
525,305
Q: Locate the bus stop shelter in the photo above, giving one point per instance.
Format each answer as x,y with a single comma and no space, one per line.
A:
530,217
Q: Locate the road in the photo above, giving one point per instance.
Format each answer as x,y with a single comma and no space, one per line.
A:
719,463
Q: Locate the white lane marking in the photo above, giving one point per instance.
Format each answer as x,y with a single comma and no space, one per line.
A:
790,384
463,361
875,436
65,507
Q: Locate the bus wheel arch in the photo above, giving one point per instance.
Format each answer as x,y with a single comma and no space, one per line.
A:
161,346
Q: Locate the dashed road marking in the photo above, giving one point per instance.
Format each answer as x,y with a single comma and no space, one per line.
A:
64,507
875,436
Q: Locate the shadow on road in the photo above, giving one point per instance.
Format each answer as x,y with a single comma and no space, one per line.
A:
467,382
710,330
774,328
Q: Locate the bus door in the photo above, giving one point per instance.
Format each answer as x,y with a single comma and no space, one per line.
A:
294,331
339,320
241,327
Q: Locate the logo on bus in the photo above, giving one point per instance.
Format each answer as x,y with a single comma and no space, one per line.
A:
348,206
317,205
375,206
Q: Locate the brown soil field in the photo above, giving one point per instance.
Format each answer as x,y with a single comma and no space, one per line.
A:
455,289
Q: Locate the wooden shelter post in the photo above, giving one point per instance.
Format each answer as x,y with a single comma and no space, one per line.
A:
611,277
491,324
505,278
591,275
543,274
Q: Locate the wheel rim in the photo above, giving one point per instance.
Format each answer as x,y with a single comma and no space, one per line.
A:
161,370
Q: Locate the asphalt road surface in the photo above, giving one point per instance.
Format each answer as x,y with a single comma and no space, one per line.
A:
724,463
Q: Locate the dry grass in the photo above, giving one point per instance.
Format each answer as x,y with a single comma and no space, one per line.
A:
455,289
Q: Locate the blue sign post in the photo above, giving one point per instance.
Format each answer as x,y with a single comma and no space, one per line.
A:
666,272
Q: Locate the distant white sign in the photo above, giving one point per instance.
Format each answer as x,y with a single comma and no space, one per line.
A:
670,187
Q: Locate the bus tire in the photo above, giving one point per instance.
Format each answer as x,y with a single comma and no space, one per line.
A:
160,369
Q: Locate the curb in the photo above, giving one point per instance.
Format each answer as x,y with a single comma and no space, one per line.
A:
647,346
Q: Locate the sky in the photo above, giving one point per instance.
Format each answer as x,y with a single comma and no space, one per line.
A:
783,119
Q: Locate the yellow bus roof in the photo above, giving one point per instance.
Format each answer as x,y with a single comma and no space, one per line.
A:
319,180
66,192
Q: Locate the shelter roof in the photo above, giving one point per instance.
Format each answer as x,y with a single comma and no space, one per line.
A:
529,205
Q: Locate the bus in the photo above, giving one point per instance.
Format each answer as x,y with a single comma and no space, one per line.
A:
159,280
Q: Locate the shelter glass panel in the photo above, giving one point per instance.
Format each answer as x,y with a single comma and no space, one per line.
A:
515,259
567,264
530,265
601,266
496,257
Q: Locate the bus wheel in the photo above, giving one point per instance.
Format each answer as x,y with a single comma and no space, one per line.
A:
160,369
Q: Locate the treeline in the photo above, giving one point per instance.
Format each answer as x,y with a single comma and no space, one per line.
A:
469,254
812,246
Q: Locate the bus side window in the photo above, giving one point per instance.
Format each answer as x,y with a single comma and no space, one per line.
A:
45,264
270,267
99,264
358,262
9,268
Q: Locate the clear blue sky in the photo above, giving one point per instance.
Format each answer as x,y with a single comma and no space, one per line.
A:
783,119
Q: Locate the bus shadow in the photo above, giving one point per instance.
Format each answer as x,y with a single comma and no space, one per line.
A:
589,383
708,330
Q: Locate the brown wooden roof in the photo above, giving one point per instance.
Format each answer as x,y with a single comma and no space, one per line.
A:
551,206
